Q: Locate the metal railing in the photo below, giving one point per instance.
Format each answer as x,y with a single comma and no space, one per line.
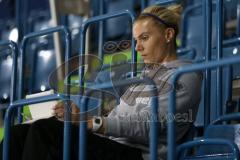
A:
9,113
154,124
172,95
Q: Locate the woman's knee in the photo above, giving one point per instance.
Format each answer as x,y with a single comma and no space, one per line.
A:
46,127
19,131
45,124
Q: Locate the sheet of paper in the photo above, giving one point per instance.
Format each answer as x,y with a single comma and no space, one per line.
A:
41,110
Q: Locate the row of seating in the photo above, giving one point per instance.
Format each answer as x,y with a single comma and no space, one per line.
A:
191,33
206,133
234,50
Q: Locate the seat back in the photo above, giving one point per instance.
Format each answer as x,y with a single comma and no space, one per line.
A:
206,154
229,132
193,29
211,157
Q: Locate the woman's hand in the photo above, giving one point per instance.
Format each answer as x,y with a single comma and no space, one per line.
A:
59,111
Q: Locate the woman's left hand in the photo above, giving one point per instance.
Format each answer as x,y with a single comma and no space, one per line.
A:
58,111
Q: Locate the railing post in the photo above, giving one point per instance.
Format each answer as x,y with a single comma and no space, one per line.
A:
219,56
208,38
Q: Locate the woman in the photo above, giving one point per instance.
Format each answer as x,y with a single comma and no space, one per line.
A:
155,32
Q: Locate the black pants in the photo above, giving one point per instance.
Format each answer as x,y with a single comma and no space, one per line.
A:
43,140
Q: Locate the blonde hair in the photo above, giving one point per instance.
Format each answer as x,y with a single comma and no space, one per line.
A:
170,15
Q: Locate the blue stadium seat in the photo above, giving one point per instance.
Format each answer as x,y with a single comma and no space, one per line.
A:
116,28
230,131
194,147
211,157
193,25
193,29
